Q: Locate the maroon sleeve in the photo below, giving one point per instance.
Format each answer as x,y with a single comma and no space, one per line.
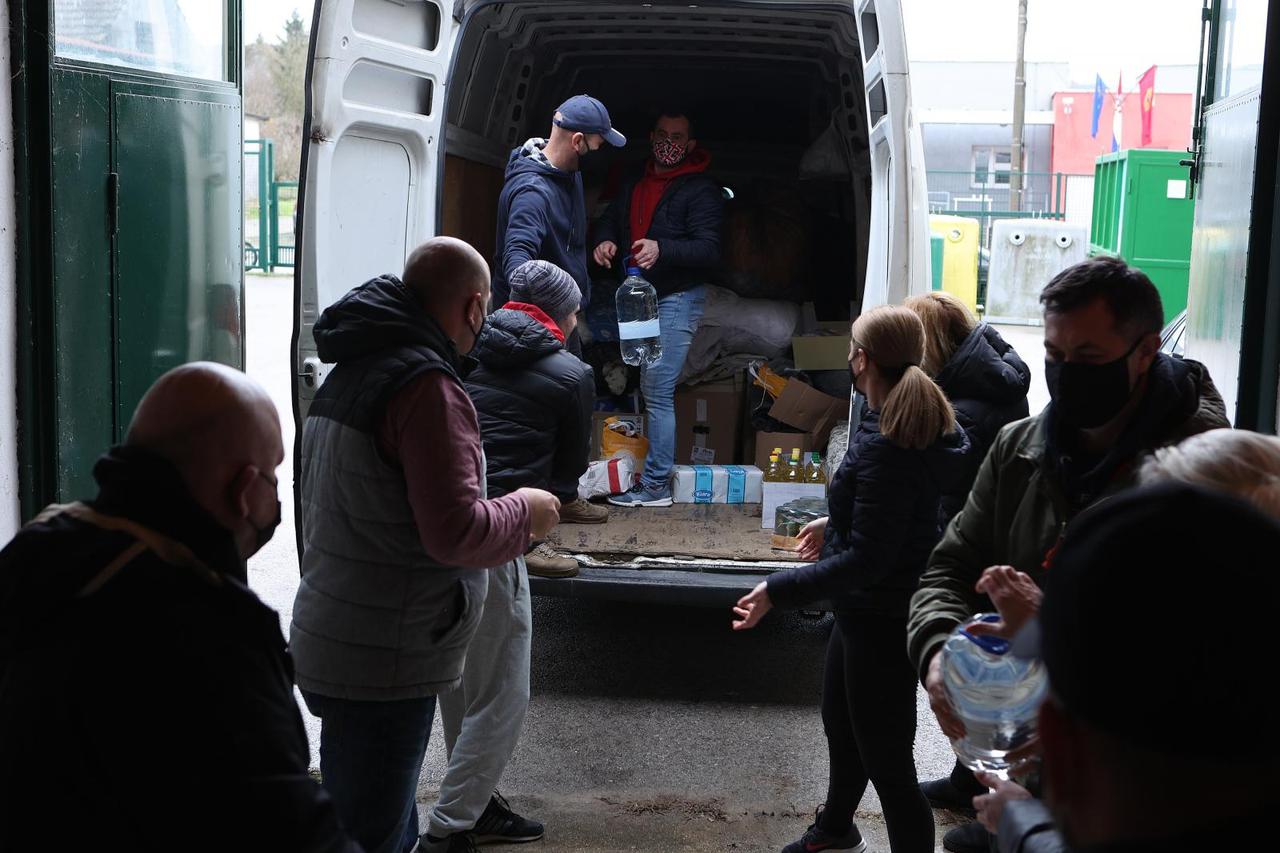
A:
430,429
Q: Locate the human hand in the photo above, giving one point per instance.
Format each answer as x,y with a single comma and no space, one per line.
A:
1016,597
645,252
604,254
752,607
939,701
544,511
811,539
991,805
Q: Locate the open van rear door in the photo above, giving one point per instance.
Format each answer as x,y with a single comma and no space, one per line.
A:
898,249
371,142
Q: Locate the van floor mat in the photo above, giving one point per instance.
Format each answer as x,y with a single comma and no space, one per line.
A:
709,531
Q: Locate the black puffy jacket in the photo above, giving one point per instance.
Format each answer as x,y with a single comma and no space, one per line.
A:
169,681
687,225
883,522
534,401
986,381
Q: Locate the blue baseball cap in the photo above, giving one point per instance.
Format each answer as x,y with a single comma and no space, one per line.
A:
584,114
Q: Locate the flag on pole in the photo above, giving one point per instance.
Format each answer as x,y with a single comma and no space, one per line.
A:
1099,89
1147,89
1117,124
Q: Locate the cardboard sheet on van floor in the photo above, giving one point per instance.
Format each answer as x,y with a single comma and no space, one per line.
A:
805,408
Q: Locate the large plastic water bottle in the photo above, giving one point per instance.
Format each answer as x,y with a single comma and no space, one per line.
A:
994,693
638,319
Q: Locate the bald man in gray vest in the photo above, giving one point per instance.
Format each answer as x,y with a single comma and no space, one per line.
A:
397,531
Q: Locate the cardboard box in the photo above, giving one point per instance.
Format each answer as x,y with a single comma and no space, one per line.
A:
767,441
808,409
709,422
774,495
716,484
822,351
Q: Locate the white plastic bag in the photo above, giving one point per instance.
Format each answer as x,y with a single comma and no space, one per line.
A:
607,477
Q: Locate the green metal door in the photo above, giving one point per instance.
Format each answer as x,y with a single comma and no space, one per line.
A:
178,239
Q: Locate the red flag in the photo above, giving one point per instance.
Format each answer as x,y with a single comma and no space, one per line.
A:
1147,89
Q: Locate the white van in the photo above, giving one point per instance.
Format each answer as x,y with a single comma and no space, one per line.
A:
414,109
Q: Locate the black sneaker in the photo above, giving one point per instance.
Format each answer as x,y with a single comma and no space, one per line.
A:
816,839
500,825
970,838
941,794
459,842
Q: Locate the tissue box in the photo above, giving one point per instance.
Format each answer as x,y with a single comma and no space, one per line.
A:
716,484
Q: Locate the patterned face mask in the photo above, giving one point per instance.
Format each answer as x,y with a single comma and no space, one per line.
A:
668,153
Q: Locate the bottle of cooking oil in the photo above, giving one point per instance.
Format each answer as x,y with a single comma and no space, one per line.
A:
795,473
816,472
774,474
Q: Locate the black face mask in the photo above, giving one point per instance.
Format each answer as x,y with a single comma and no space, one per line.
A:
264,534
1086,396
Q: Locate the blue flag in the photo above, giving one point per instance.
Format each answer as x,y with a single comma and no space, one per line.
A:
1098,91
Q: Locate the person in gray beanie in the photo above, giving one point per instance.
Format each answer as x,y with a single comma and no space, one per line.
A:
533,399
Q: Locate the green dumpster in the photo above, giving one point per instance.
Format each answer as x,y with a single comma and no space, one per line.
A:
1143,211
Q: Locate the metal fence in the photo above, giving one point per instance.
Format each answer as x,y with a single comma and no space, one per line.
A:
985,196
270,206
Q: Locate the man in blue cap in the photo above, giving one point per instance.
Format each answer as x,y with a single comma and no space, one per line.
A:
541,212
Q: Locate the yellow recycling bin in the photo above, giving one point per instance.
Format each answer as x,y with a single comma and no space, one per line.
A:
959,256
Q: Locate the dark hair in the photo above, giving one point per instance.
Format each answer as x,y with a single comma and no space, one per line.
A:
1130,296
674,112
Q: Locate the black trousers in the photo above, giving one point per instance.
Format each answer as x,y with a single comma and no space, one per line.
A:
869,713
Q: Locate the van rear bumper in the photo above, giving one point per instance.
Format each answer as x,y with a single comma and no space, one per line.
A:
650,586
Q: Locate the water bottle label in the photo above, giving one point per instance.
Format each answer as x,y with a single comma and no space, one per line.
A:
637,329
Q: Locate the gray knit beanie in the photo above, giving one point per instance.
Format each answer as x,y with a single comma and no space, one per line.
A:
545,285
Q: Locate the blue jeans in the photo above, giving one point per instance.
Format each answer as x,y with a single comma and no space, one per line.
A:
371,756
678,315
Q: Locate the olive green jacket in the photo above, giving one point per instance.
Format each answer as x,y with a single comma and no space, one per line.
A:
1018,508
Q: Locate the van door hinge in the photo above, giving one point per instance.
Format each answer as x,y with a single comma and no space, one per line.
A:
113,203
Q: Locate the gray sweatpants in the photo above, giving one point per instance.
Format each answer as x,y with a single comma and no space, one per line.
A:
483,716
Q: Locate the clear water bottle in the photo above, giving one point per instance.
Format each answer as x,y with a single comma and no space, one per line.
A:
638,320
994,693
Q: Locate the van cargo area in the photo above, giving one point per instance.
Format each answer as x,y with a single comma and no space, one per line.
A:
775,95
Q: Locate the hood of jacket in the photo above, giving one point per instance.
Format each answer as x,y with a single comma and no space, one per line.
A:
985,367
513,339
379,315
530,159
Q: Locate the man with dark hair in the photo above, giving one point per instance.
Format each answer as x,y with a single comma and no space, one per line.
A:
398,529
1114,398
1138,708
139,673
669,221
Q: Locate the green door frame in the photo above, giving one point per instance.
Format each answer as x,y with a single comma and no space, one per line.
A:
33,63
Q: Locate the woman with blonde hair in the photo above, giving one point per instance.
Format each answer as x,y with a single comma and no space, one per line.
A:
884,502
981,374
987,383
1246,464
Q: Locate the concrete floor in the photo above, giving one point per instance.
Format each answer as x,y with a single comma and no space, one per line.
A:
651,728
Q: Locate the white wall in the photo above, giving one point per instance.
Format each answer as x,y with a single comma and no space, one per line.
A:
9,513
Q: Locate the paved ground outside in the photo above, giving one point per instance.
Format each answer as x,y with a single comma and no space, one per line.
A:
651,728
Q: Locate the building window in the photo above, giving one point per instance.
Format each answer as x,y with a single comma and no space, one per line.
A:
991,167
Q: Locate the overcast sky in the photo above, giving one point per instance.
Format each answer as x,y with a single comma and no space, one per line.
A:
1103,36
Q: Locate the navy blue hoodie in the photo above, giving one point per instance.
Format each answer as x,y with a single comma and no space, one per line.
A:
541,216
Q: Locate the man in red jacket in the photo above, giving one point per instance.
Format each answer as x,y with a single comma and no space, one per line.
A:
669,220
